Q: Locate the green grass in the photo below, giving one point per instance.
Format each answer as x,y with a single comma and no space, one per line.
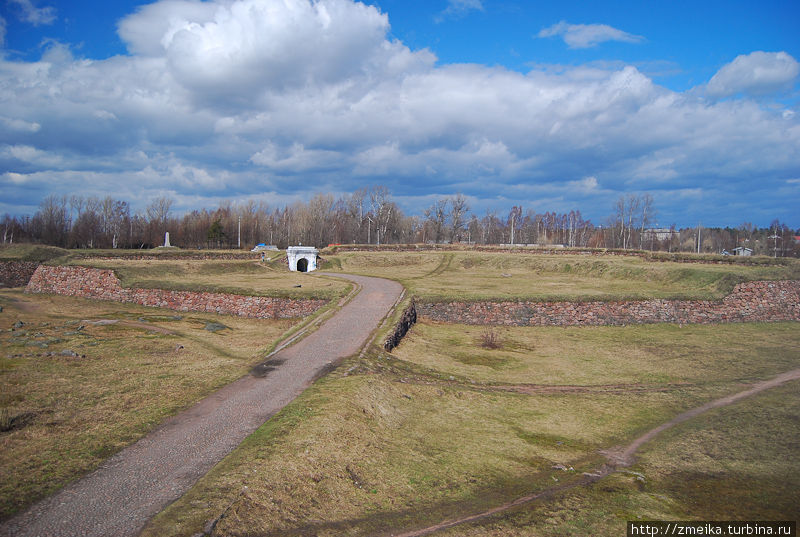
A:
406,440
518,275
123,379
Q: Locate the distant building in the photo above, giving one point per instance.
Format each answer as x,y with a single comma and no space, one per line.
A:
302,258
741,250
658,234
261,247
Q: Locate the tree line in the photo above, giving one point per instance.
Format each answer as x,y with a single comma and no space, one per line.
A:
370,216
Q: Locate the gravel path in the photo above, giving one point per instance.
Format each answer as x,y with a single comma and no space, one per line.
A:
127,490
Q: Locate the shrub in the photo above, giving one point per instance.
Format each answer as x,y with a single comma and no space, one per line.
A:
489,339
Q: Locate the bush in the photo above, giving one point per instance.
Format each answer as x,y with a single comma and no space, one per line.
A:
489,339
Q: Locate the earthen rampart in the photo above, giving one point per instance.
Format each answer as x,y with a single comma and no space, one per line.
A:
757,301
103,284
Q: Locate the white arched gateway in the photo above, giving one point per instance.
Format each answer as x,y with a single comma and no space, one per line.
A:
302,258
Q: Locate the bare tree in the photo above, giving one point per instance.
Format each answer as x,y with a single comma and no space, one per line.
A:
436,216
458,213
381,207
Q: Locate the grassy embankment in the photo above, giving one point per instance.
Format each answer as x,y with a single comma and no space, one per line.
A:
519,275
444,428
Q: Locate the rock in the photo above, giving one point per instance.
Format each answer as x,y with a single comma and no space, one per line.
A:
18,324
69,353
215,327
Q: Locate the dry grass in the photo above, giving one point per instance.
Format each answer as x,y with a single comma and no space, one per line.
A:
95,376
465,275
735,463
246,277
398,442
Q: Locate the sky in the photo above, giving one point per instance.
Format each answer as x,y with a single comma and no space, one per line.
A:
554,106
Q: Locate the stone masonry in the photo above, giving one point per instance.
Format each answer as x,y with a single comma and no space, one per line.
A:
16,273
758,301
103,284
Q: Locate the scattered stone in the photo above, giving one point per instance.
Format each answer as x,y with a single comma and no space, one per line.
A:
18,324
215,327
298,285
178,347
1,309
69,353
559,467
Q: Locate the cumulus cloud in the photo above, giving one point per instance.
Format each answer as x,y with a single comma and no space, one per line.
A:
242,97
37,16
234,51
757,73
587,35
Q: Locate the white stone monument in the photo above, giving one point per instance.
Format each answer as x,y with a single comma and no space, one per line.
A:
166,240
302,258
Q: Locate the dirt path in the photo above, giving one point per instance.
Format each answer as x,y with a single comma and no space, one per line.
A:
618,457
132,486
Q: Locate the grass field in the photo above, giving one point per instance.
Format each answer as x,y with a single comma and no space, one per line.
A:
444,428
81,379
246,277
470,275
440,428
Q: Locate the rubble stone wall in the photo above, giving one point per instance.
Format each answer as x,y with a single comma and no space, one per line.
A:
16,273
757,301
103,284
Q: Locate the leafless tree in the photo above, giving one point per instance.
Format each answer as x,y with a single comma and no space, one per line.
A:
458,213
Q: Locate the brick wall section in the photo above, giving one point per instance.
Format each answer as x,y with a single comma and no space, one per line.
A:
104,285
766,301
16,273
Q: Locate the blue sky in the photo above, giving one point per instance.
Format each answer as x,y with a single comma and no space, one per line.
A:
552,106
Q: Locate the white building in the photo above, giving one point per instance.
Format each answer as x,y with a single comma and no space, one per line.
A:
302,258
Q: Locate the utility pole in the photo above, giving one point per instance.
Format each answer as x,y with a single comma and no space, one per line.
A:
512,228
699,228
239,242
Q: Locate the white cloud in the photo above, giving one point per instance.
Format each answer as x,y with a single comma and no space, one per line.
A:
757,73
241,97
459,8
37,16
588,35
229,53
2,32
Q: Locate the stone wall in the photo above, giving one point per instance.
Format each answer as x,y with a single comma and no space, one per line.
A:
16,273
402,327
104,285
749,302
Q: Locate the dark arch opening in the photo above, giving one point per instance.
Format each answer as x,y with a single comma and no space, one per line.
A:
302,264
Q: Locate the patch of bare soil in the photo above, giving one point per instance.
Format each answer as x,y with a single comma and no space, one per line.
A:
600,388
